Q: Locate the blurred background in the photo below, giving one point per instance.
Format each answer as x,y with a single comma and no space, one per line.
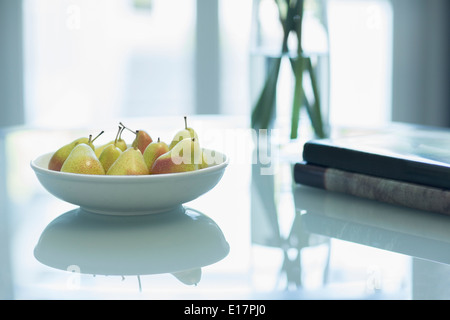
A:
68,63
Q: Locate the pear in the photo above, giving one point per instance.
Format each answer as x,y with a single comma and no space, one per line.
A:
82,159
153,151
58,158
109,156
110,153
210,158
119,142
184,156
187,132
130,162
142,140
205,161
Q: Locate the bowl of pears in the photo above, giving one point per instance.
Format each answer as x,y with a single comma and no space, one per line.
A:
144,177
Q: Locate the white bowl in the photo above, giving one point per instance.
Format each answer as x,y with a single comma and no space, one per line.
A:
128,195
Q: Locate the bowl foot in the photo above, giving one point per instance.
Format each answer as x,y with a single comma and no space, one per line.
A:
178,208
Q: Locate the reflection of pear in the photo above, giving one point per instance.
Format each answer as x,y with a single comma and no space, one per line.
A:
153,151
185,156
189,277
83,160
130,162
58,158
183,134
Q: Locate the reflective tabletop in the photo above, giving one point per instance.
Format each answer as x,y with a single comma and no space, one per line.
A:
255,235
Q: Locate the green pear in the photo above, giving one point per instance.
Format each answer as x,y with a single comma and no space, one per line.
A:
82,159
109,155
58,158
130,162
119,142
153,151
187,132
184,156
210,158
142,140
205,161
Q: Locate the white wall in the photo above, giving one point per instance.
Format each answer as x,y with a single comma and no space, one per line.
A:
421,62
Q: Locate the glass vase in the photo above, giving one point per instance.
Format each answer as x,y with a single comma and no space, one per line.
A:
289,38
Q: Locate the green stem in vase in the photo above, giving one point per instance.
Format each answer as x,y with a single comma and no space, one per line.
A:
291,18
305,101
264,109
316,114
298,70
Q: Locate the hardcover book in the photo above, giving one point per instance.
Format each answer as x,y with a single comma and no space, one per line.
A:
408,153
390,191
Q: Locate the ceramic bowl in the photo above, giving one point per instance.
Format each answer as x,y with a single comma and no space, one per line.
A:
128,195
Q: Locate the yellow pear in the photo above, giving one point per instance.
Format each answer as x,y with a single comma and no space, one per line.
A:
58,158
130,162
205,161
184,156
210,158
82,159
109,155
119,142
187,132
111,152
153,151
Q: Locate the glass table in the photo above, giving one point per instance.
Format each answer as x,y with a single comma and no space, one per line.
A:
256,235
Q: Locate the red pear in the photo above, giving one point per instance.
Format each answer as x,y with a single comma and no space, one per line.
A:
142,140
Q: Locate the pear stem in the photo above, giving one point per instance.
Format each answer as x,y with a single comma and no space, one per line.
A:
135,132
90,136
117,135
185,122
121,130
158,139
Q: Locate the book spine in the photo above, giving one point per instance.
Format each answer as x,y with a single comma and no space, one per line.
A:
380,189
377,164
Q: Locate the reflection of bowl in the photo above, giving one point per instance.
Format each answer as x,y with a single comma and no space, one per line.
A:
170,242
128,194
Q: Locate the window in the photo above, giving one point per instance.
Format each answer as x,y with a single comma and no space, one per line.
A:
102,59
88,60
361,61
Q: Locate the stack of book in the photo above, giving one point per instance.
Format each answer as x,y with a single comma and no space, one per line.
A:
404,165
